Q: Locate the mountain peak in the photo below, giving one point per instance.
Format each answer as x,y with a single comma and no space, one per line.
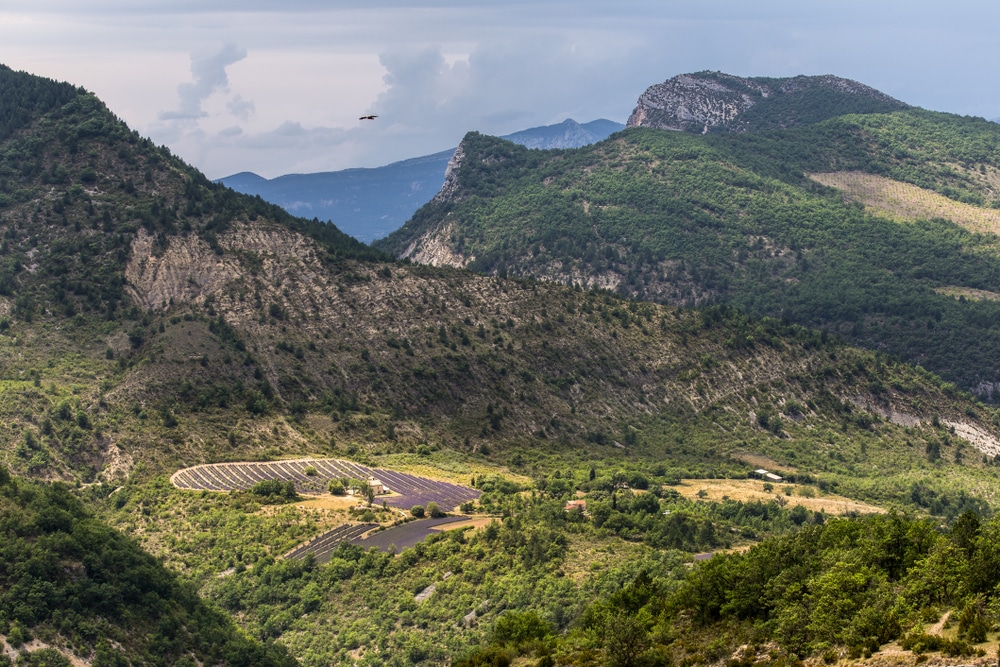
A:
713,101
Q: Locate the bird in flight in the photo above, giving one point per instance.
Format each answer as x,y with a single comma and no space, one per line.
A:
372,117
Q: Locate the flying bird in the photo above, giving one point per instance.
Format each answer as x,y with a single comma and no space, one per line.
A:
372,117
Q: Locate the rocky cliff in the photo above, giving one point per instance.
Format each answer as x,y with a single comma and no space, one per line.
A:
707,101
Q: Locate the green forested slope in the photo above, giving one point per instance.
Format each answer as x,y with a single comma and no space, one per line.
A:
77,186
70,581
733,218
834,592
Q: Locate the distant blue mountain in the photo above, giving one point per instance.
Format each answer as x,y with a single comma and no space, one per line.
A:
371,203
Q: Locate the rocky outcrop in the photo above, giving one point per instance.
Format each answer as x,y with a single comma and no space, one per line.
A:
450,186
435,248
258,256
705,101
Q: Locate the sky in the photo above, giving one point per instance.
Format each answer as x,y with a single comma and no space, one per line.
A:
277,87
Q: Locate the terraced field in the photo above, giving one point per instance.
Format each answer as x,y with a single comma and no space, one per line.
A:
406,535
323,546
406,490
393,539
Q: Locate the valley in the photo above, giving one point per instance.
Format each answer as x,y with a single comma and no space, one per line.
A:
196,386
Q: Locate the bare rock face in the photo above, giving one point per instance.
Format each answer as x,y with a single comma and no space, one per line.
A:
258,256
693,104
450,185
705,101
434,247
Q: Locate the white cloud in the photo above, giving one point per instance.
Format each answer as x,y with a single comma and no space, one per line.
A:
208,72
241,108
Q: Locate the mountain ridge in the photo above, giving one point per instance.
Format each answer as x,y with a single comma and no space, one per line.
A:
735,217
371,202
208,301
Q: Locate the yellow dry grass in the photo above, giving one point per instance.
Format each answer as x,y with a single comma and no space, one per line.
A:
328,502
969,293
905,202
753,489
476,523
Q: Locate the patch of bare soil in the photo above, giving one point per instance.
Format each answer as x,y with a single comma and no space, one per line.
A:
328,502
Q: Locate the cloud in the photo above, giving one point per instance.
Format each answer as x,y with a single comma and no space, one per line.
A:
507,85
430,100
208,74
241,108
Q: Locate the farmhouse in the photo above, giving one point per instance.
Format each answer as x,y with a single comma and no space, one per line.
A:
377,487
768,476
578,505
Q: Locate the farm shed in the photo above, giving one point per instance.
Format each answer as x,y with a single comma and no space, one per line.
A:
768,476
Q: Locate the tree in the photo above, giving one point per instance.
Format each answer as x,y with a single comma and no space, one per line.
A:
417,511
434,511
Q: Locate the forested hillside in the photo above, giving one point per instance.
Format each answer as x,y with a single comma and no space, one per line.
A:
370,203
83,590
736,219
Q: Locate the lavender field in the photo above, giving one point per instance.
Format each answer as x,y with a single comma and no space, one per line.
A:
406,490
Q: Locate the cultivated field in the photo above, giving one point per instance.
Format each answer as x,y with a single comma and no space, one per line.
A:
322,546
903,201
405,535
406,490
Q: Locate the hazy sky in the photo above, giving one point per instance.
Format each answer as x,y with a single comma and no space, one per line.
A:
277,87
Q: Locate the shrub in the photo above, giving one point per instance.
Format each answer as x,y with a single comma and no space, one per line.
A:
275,489
417,511
519,628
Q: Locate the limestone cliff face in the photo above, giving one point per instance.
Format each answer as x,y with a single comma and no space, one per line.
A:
434,247
692,103
450,186
712,100
258,256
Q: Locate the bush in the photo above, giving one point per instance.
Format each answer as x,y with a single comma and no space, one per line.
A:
275,489
490,656
434,511
920,642
417,511
519,628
